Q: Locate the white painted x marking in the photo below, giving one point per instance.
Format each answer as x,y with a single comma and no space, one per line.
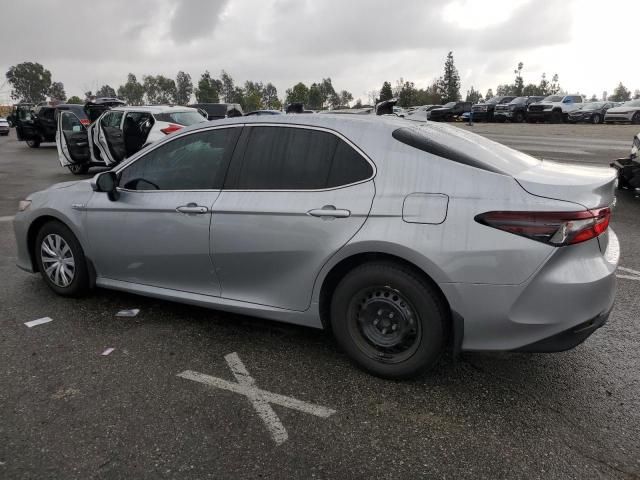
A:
260,399
629,274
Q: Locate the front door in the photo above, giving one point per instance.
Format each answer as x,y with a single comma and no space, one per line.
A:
157,232
71,140
293,197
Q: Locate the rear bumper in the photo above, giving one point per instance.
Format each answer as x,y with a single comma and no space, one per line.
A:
559,306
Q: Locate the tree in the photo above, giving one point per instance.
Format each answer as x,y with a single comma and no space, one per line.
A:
184,88
407,94
106,91
385,92
208,89
132,91
327,92
518,84
30,82
593,98
270,97
450,81
489,95
345,98
503,89
314,99
298,93
358,104
554,86
75,99
636,94
159,89
57,93
543,87
531,90
227,89
252,96
473,95
620,94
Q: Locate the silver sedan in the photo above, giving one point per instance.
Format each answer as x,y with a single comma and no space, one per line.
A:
404,239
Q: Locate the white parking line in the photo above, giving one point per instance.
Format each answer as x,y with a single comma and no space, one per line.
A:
635,274
7,218
260,399
39,321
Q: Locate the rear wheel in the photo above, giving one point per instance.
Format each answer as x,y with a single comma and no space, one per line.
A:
33,143
78,168
61,260
388,320
595,118
519,117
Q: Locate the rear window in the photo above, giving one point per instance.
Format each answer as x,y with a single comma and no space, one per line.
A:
498,159
180,118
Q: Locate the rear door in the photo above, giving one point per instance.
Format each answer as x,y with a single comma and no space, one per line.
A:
293,197
110,138
71,139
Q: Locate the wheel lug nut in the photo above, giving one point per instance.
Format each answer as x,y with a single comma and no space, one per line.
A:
376,321
391,315
394,327
379,312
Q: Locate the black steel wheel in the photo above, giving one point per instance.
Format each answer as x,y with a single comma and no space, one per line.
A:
33,143
389,320
636,118
78,168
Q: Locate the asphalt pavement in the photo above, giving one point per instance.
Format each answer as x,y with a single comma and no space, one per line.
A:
69,412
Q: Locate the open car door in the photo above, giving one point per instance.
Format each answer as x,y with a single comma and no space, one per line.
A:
71,140
110,137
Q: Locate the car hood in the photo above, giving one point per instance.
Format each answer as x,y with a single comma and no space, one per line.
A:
622,109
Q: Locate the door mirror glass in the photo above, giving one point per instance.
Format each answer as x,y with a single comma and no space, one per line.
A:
106,182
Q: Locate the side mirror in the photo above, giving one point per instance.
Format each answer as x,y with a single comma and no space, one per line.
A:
106,182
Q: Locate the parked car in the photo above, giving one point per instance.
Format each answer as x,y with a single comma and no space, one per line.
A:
628,112
117,134
449,111
515,110
263,112
592,112
422,112
554,108
628,168
485,111
216,111
4,127
461,243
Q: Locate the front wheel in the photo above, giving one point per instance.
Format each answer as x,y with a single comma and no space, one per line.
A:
636,118
595,118
388,320
78,168
556,117
61,260
33,143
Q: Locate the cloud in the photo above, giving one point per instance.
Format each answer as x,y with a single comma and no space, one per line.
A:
195,19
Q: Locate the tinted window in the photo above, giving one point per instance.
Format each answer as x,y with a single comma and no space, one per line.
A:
281,158
181,118
192,162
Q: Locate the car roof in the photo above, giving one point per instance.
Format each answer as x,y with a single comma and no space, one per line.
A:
154,109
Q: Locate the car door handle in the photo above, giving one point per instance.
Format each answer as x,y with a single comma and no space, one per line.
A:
329,211
192,208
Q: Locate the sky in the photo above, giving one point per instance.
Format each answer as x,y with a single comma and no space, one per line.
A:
591,44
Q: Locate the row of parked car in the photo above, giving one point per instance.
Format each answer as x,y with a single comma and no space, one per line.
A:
532,109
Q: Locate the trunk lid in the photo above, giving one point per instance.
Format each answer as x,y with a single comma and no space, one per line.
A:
591,187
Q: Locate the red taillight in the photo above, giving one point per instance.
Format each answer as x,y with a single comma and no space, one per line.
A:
171,128
85,121
554,228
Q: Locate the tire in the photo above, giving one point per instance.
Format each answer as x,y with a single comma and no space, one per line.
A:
33,143
519,118
635,120
363,308
78,169
556,117
48,250
596,119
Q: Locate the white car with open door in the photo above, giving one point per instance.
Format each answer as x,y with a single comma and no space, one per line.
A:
117,134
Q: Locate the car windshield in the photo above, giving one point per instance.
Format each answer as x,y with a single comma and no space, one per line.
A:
552,98
449,105
181,118
519,100
593,106
632,103
493,100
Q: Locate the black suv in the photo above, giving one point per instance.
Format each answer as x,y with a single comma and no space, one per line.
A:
484,111
449,111
515,110
216,111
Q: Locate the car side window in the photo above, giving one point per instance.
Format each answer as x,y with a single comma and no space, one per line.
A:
112,119
285,158
192,162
